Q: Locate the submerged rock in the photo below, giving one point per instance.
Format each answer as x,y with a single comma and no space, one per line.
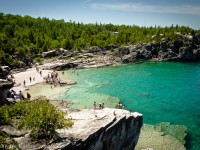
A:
67,82
177,131
153,137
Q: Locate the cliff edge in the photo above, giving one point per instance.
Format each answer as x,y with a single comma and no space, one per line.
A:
94,130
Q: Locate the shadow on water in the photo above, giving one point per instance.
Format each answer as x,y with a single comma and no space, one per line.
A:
188,140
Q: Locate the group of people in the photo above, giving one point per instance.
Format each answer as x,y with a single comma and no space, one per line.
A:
119,105
101,106
33,78
18,96
52,78
13,94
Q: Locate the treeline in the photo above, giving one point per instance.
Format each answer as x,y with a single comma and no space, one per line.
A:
22,37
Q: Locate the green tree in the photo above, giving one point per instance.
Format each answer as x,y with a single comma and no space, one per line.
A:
55,44
41,117
2,57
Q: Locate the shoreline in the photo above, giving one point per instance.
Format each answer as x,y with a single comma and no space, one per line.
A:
25,75
47,68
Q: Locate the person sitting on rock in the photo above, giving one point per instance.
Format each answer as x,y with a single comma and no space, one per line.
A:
28,96
21,96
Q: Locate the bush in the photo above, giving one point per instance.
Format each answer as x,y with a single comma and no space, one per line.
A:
5,115
43,119
19,109
38,59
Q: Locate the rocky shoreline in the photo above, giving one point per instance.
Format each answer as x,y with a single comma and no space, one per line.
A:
185,49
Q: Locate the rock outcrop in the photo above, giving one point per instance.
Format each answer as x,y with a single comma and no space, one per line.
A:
4,71
185,48
104,129
5,85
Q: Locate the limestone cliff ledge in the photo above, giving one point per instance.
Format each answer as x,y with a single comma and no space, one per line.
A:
103,129
107,129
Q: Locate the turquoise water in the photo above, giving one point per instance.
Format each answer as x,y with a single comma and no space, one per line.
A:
162,92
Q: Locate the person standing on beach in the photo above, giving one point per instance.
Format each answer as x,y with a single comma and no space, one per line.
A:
94,105
30,78
40,73
24,83
37,68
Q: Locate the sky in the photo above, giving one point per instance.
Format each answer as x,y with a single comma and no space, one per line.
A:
129,12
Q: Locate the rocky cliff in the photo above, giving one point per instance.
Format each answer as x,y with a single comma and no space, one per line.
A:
106,129
184,48
5,85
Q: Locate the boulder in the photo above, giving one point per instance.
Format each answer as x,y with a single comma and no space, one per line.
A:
155,49
186,54
169,55
68,82
163,46
51,53
196,53
5,86
94,49
148,46
64,66
127,58
4,71
124,50
12,131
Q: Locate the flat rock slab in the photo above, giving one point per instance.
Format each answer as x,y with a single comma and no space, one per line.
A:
12,131
87,121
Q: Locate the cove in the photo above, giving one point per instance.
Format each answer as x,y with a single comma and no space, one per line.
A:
161,91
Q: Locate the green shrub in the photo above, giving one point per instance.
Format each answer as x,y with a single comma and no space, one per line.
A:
40,63
5,115
43,119
19,109
38,59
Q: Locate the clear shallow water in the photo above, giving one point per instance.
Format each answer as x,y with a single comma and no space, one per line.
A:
162,92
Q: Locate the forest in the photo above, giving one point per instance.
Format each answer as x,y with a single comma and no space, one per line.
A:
25,36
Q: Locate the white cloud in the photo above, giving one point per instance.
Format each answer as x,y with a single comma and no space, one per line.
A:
181,9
